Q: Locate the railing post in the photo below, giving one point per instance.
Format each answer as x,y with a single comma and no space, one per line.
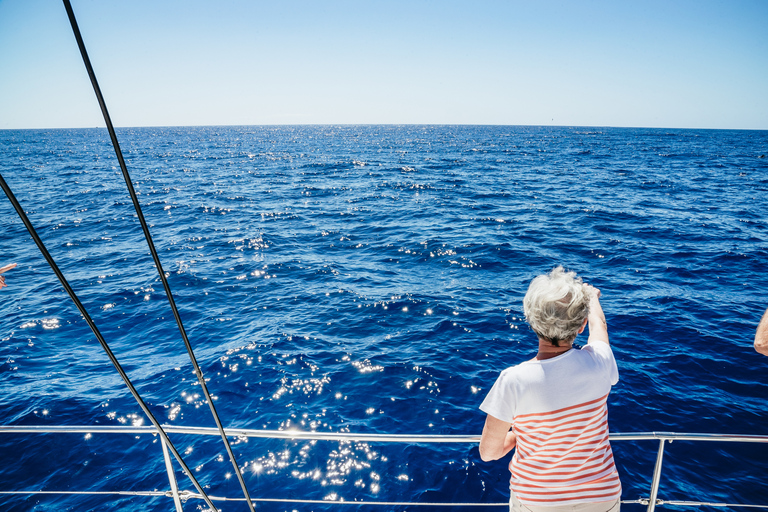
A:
656,477
171,475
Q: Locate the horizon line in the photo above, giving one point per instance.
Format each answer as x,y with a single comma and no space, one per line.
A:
388,124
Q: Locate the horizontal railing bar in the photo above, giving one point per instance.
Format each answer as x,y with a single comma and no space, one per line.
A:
190,495
366,503
268,434
185,495
346,436
675,436
706,504
101,493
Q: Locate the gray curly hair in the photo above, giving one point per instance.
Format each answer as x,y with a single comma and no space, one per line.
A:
556,305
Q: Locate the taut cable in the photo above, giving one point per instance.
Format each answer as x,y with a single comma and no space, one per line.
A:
148,236
97,333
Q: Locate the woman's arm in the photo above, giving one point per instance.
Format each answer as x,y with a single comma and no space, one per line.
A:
598,328
761,336
497,440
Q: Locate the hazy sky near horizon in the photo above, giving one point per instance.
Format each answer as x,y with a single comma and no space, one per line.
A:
677,64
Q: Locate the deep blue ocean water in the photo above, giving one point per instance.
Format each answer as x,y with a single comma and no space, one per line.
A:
370,279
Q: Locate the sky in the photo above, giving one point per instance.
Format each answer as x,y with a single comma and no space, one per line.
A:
673,64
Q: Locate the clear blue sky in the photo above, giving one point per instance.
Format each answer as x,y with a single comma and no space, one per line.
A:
682,64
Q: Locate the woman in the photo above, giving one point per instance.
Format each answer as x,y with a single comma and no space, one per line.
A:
556,405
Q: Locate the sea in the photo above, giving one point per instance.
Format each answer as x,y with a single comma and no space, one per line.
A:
369,279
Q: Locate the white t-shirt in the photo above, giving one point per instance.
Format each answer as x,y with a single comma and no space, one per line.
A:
558,411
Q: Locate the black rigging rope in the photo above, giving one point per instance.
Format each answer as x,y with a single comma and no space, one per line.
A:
152,249
96,332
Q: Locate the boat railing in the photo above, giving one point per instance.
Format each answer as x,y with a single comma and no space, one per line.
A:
180,496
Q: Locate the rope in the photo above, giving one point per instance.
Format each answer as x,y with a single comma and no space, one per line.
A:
148,237
98,335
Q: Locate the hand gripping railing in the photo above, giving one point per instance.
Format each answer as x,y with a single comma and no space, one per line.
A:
179,496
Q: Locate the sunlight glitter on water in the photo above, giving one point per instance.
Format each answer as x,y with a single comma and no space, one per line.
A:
324,295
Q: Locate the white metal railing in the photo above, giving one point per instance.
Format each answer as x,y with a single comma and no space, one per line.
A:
179,496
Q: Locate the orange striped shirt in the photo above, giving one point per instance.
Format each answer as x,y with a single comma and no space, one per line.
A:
558,411
563,456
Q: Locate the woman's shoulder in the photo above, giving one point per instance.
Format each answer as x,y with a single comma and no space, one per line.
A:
599,348
603,358
521,370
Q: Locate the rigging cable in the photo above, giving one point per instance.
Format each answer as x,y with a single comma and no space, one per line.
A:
148,237
103,342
